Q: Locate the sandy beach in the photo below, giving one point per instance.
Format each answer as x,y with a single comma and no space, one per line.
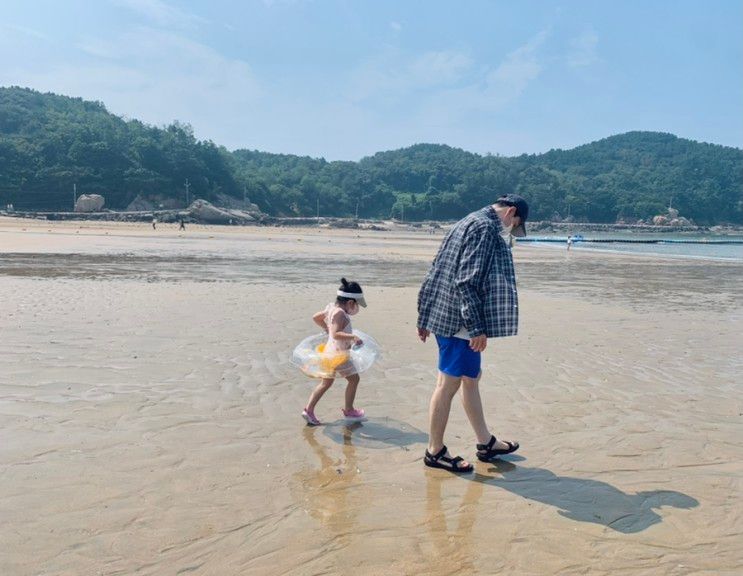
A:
150,413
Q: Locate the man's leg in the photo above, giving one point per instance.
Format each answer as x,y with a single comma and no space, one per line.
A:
473,408
438,415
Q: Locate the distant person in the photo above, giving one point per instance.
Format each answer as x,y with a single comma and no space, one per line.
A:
154,223
335,319
570,243
468,296
182,225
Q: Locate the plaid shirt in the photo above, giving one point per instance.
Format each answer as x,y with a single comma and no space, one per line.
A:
471,283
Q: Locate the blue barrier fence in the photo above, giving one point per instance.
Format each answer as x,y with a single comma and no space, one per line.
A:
563,240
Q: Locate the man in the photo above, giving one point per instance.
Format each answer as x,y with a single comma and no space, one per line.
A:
468,296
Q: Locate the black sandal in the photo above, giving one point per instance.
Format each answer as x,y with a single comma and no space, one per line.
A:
440,460
490,452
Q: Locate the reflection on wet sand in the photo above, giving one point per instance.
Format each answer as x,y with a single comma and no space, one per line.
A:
583,499
335,495
330,493
376,433
201,267
450,549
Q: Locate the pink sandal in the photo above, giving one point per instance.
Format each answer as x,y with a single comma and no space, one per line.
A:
309,415
355,415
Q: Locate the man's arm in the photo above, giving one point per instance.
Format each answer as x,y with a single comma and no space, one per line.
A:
423,313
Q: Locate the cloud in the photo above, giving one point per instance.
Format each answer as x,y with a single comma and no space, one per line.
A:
162,14
583,49
13,28
396,26
490,90
390,76
437,96
436,68
159,71
99,49
272,3
516,72
157,76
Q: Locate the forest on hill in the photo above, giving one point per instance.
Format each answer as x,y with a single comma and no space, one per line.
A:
51,145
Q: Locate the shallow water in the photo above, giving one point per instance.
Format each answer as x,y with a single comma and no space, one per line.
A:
695,283
663,245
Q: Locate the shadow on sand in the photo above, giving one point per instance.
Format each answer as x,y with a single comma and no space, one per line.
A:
375,433
581,499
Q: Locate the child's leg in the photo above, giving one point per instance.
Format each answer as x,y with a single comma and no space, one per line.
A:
353,384
318,393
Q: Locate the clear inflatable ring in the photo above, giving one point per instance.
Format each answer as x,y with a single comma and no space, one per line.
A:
310,357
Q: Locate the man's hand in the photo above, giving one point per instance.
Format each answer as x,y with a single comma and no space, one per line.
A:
479,343
423,334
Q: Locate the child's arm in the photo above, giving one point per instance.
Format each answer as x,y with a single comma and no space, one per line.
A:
335,332
319,319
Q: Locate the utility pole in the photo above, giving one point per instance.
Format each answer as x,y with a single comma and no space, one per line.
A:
187,184
357,208
74,196
245,194
318,210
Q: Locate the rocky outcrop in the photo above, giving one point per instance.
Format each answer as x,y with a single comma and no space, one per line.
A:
661,220
671,218
89,203
205,212
140,204
226,201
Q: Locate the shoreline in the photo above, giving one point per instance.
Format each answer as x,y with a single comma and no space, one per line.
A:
381,225
170,230
398,243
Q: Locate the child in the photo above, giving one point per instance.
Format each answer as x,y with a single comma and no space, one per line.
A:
335,319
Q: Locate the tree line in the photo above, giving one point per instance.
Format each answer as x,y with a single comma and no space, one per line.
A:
51,145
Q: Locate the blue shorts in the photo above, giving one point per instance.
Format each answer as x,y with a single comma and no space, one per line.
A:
456,358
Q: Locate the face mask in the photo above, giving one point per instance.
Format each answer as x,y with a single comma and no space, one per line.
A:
506,230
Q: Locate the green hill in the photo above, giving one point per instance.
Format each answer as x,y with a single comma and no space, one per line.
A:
638,174
50,142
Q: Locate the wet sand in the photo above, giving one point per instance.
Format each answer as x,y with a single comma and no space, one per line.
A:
150,413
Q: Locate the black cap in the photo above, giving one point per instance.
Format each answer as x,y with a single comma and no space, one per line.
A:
522,211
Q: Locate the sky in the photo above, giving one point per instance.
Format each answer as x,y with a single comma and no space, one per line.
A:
344,79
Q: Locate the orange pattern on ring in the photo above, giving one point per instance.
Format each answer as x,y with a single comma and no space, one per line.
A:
329,362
